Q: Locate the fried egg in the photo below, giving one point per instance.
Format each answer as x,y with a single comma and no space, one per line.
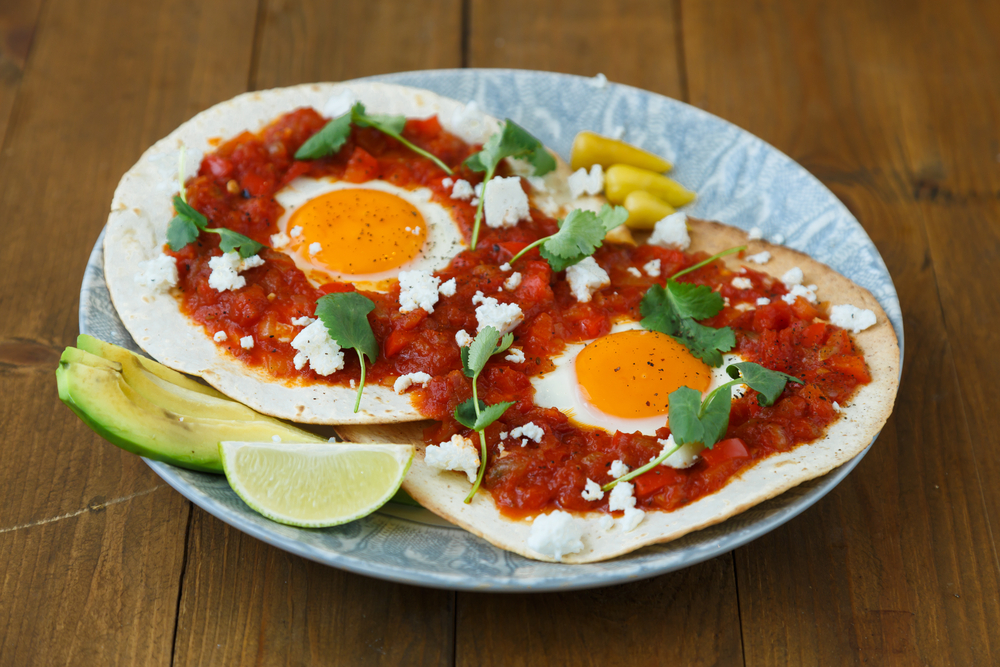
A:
620,382
364,233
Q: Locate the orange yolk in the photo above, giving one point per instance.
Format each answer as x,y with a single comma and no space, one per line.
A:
630,374
360,231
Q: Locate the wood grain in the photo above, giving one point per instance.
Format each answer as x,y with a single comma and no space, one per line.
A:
633,42
898,565
303,42
684,618
17,27
245,602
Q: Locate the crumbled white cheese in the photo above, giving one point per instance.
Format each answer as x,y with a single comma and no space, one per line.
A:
226,270
516,355
778,239
809,293
275,438
446,183
671,232
157,274
755,234
618,468
529,430
503,317
793,276
339,103
742,283
280,240
404,382
478,190
315,347
462,338
505,266
462,190
652,268
592,491
303,321
512,282
459,453
219,336
621,497
598,81
763,301
586,277
448,288
418,289
852,318
556,535
538,183
315,247
468,122
632,519
762,257
352,383
635,272
836,406
506,203
503,435
246,342
296,232
605,523
685,457
583,183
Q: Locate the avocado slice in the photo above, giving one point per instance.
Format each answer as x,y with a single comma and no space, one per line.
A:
97,390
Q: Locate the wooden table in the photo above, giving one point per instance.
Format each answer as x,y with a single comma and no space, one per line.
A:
894,105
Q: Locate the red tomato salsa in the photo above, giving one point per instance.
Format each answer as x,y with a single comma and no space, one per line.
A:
235,188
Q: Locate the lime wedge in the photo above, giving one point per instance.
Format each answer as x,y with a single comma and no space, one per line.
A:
313,485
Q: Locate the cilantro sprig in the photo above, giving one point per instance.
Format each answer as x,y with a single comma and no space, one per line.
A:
512,141
673,309
345,315
694,420
189,222
333,135
580,234
474,413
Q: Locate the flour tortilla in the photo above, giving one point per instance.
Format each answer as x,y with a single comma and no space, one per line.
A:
137,231
860,422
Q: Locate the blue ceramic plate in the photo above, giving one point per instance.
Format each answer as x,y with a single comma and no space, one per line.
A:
739,179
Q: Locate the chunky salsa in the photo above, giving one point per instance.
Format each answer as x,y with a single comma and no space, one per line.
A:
235,188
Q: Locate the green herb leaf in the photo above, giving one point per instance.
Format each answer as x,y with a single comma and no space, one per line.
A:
180,232
693,421
672,310
328,140
767,383
658,312
345,315
491,413
484,346
579,236
466,413
695,301
393,127
185,210
230,241
706,343
512,141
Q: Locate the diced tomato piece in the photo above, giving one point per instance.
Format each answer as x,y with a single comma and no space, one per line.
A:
805,310
850,365
396,341
725,450
219,167
335,288
426,128
361,167
256,185
775,315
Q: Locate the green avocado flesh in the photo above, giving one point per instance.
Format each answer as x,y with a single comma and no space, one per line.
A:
150,410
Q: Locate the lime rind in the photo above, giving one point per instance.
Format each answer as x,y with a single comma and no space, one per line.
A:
313,485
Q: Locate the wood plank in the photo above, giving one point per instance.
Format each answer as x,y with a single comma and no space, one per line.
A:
633,42
687,617
17,26
684,618
302,42
104,80
96,587
245,602
898,564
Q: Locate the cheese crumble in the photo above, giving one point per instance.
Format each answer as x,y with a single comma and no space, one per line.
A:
652,268
671,232
852,318
586,277
157,274
592,490
516,355
512,282
459,454
621,497
583,183
315,347
219,336
462,338
529,430
226,269
462,190
556,535
418,289
506,203
404,382
246,342
760,258
448,288
618,468
504,317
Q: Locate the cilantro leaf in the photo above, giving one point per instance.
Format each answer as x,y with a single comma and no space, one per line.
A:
466,412
180,232
345,315
187,211
767,383
691,420
230,241
672,310
392,126
579,235
484,346
513,141
327,141
491,413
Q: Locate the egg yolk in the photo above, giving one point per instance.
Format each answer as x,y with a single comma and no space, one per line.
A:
359,231
631,373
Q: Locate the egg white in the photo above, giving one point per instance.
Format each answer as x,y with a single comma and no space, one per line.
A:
443,241
561,389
